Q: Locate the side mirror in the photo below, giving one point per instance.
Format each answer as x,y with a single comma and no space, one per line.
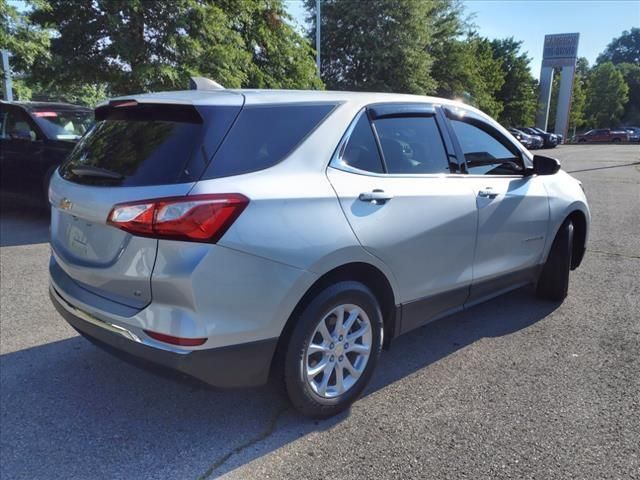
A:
545,165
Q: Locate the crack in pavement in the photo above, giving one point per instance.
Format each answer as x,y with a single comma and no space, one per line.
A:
635,257
268,431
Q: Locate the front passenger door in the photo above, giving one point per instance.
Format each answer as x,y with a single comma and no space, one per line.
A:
407,208
513,209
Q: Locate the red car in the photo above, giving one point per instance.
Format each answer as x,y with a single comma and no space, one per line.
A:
603,135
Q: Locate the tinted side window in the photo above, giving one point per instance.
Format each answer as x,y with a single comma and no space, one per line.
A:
484,153
412,145
18,125
263,136
361,151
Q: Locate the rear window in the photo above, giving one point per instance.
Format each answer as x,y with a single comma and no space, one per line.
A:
263,136
64,124
143,145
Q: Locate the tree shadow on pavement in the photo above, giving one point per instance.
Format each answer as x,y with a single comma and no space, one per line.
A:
604,168
68,410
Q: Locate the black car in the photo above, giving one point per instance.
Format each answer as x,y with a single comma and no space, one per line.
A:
550,139
529,141
559,137
522,137
34,138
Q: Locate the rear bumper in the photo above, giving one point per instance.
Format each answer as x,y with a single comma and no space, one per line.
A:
240,365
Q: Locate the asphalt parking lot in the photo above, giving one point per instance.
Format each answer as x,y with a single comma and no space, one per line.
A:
514,388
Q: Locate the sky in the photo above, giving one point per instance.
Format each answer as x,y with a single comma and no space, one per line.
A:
597,21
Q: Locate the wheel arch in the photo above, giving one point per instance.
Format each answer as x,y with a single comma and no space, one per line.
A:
367,274
579,220
580,230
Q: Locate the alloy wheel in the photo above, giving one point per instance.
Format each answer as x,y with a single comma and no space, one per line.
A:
338,351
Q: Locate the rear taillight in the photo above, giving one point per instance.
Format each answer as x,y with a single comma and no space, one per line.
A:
196,218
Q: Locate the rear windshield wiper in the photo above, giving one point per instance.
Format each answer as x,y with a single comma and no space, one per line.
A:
89,171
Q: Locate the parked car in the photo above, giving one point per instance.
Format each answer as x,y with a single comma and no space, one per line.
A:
35,137
603,135
231,234
531,142
550,140
634,134
522,137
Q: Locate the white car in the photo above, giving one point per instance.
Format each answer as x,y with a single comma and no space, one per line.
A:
230,234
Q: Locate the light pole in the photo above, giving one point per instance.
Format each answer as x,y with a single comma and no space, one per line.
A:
8,93
318,36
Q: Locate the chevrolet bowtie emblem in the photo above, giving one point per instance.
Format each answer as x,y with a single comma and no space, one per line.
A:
65,204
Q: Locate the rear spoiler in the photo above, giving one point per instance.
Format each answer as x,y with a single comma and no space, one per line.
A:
163,101
133,110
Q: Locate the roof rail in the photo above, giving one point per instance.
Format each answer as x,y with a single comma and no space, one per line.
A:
202,83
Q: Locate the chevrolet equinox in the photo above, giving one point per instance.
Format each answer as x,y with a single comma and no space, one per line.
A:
231,234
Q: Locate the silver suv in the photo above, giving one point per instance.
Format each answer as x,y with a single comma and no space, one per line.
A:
231,234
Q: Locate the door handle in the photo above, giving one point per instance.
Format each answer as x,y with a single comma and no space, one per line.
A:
487,192
377,197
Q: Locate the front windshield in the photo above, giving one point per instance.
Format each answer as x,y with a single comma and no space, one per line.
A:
66,124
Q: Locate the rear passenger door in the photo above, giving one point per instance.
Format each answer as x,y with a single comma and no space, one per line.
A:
393,176
513,208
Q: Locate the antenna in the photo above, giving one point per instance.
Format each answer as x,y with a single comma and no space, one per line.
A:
202,83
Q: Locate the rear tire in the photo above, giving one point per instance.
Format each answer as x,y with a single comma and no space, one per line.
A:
616,140
320,341
553,283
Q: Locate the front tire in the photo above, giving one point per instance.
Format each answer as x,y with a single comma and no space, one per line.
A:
553,283
333,349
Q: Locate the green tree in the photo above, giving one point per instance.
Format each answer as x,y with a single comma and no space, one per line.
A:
518,92
606,96
137,46
582,67
77,93
579,95
281,57
24,41
409,46
467,70
631,74
623,49
449,52
485,78
377,45
464,66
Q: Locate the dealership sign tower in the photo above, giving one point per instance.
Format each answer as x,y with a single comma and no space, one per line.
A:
560,51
